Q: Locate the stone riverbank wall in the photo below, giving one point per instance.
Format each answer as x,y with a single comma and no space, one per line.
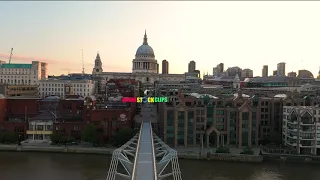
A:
109,151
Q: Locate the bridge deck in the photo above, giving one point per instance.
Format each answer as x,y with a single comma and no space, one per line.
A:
145,162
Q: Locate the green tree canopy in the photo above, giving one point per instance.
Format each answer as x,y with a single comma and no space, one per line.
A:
247,150
8,137
55,138
222,149
60,139
90,134
122,136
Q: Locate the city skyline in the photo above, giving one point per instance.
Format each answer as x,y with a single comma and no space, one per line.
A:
243,34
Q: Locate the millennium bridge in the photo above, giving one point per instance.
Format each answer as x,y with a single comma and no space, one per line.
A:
145,156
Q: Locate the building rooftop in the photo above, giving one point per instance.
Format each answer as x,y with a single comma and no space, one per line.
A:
51,98
243,95
268,79
16,66
112,105
23,97
44,116
197,95
71,77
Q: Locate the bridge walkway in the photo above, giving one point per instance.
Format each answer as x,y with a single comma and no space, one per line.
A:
145,166
145,156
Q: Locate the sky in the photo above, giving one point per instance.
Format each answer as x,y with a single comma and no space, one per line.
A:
244,34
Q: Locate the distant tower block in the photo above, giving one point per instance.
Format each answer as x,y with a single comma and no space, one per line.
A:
165,67
192,66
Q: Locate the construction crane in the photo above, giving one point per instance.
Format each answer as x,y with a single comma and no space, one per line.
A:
82,63
10,56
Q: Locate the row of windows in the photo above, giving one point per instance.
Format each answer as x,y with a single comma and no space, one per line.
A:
17,71
61,94
19,77
15,81
61,85
40,127
61,89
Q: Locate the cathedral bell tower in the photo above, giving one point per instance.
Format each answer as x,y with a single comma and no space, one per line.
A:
97,65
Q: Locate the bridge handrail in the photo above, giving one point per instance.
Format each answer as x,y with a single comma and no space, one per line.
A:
153,155
112,172
136,155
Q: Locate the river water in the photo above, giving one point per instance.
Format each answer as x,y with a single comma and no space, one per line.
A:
49,166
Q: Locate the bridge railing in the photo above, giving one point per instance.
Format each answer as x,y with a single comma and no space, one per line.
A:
125,155
167,160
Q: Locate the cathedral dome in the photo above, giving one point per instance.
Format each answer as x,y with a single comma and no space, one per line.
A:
145,50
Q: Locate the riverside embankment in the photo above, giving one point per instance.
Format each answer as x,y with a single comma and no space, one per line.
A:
57,149
108,151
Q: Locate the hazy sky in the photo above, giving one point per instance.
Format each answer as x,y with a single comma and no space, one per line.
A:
244,34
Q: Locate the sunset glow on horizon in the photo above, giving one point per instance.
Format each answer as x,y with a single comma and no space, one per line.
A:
244,34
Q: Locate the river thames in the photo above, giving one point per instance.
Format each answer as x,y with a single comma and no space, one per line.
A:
50,166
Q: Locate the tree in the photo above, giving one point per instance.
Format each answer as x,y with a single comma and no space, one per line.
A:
247,150
55,138
90,134
123,136
60,139
8,137
222,149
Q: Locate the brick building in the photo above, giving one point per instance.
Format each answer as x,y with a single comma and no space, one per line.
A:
3,105
242,120
71,117
112,118
16,114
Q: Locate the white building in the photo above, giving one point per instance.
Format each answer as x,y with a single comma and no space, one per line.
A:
41,127
301,128
61,88
145,67
27,74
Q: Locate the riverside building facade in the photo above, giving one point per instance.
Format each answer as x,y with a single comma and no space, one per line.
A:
191,119
301,129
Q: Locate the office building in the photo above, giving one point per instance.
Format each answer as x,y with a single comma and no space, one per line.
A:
265,71
281,69
62,87
22,74
246,73
165,67
191,66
